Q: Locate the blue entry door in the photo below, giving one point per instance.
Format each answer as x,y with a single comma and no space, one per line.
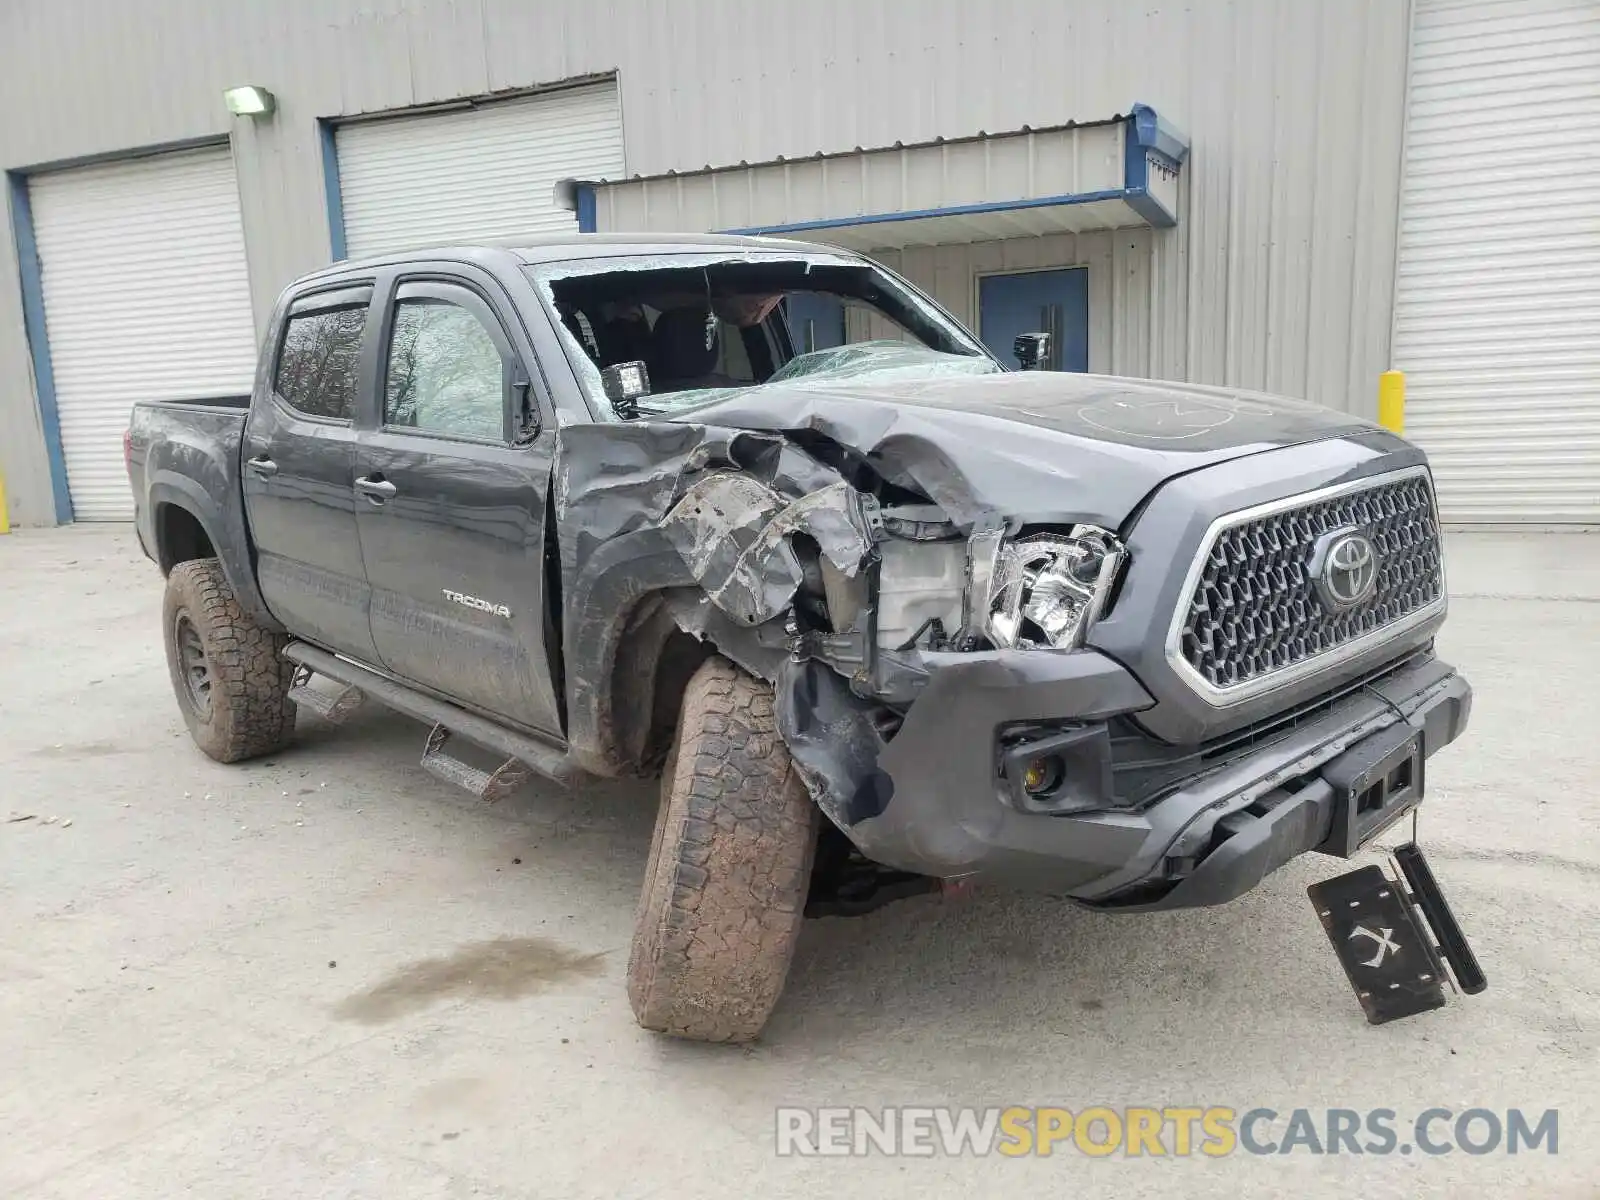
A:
816,321
1053,302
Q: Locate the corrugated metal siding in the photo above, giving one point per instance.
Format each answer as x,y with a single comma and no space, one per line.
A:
480,174
1006,167
146,298
1293,107
1497,320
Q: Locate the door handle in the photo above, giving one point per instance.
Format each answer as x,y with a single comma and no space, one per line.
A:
262,465
375,488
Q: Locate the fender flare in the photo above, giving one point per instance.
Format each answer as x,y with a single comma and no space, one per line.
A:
602,600
227,538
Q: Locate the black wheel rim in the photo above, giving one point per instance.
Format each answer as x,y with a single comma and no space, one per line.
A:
192,665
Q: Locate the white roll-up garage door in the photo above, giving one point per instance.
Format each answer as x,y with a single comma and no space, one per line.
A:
146,297
484,173
1497,317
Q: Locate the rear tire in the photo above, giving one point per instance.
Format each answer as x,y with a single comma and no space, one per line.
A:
228,672
725,886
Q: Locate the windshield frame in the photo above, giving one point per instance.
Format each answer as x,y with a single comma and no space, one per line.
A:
542,275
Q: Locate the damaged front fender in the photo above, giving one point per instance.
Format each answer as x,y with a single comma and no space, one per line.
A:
735,533
653,508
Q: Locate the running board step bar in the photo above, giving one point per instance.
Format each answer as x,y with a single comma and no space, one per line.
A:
333,707
525,753
485,785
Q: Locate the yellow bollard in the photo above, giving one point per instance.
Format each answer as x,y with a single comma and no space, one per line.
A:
5,520
1392,401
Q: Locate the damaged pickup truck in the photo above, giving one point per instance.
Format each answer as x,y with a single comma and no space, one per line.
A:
762,519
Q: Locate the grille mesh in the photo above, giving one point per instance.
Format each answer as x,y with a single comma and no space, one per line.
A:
1256,609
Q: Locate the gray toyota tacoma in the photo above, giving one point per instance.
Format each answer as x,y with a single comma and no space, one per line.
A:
762,519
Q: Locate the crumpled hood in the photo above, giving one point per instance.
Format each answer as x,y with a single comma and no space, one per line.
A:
1031,447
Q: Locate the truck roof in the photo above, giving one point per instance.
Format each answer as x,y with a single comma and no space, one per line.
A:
556,247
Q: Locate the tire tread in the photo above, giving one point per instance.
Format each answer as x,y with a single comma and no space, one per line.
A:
251,714
730,863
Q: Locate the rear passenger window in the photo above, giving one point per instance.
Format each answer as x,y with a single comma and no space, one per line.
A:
317,364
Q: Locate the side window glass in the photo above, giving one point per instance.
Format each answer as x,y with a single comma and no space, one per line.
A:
733,356
445,373
316,372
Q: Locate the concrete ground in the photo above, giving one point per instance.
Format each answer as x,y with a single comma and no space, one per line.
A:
268,980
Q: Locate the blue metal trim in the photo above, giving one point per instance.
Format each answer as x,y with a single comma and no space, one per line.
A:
333,193
585,197
1151,209
1154,132
1135,165
1137,147
33,327
918,214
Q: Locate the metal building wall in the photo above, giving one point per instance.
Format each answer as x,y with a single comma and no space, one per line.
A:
1279,275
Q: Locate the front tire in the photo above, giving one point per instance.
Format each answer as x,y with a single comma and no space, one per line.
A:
725,886
228,672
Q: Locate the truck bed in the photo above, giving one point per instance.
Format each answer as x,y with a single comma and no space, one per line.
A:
186,453
200,435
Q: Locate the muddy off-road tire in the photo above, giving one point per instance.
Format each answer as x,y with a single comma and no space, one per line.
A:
229,676
725,885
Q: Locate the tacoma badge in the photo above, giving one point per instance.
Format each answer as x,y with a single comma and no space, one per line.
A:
499,610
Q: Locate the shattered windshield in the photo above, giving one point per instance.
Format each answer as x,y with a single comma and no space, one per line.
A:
705,327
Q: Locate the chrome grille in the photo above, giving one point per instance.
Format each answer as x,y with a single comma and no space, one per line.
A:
1254,611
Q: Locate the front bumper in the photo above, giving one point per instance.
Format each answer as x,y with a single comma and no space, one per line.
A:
940,806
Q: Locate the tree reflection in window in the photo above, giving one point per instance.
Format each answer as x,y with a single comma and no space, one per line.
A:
317,365
445,372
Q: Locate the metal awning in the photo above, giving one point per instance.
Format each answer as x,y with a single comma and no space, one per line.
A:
1118,173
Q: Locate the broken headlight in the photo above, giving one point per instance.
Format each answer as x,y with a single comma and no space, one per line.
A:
1045,590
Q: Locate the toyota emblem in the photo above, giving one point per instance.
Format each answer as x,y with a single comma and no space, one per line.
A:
1344,567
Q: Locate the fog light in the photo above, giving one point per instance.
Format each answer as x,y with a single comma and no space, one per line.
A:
1042,775
1056,770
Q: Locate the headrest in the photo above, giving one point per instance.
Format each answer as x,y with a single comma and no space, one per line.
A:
678,345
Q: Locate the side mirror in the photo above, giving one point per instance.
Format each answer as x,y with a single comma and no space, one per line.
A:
624,383
1032,350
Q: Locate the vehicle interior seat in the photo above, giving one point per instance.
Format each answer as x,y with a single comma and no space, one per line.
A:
684,351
